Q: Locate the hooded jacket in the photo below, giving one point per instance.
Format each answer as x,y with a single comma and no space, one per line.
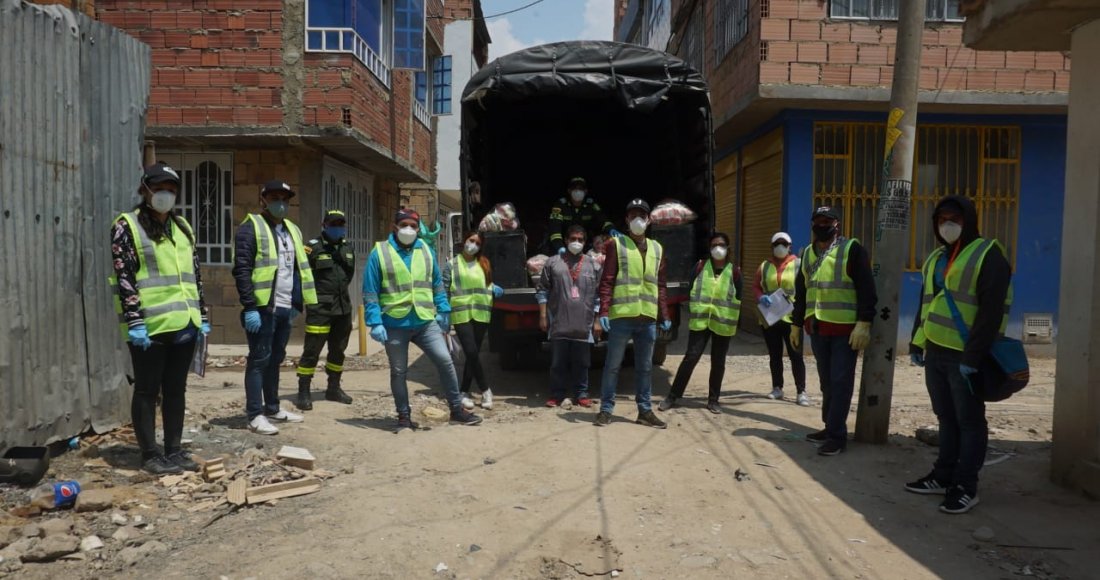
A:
992,289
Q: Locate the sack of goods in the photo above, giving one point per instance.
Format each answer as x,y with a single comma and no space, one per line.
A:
671,213
501,219
536,263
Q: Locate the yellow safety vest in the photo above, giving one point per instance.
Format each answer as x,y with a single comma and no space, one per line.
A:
471,298
961,280
770,281
165,279
714,304
404,290
830,292
266,266
635,292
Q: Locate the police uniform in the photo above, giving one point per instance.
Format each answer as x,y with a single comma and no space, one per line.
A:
333,265
564,214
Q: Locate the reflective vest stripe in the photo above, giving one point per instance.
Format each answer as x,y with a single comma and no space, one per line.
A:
937,323
471,298
266,261
636,283
405,290
768,279
714,305
830,292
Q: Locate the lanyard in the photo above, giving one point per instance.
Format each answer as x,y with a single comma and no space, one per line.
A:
575,271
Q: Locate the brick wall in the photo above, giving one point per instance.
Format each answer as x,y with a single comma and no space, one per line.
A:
734,76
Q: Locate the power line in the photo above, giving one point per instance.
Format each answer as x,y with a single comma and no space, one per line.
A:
513,11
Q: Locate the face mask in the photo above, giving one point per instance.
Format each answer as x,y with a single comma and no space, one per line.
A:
824,233
278,209
719,252
472,248
576,247
781,251
406,235
638,225
163,201
577,195
950,232
336,232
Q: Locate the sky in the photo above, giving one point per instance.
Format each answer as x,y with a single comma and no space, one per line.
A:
548,21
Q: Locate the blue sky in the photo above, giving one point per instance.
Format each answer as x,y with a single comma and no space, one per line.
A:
548,21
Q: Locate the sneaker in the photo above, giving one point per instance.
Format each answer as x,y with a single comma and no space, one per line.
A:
959,501
566,404
406,422
803,400
160,465
927,485
551,402
603,419
464,417
286,417
584,402
713,407
776,394
467,403
260,425
487,399
830,448
648,419
667,404
183,460
818,437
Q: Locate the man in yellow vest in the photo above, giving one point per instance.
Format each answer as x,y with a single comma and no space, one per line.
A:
778,272
715,308
978,277
835,302
633,303
275,284
406,301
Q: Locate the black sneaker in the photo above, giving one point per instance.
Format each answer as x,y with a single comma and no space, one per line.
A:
603,419
713,407
927,485
649,419
406,422
337,395
183,459
160,465
959,501
830,448
818,437
464,417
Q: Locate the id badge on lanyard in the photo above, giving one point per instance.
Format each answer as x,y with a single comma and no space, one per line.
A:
574,273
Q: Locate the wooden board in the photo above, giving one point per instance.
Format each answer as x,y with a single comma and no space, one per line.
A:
237,491
296,457
294,488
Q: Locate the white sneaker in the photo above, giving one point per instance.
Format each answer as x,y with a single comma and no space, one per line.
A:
776,394
286,416
262,426
803,400
487,399
567,403
467,403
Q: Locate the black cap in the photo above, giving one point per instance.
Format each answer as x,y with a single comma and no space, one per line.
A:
825,211
578,181
335,214
160,173
638,203
276,185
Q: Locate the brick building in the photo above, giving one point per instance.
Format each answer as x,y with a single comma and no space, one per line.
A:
800,90
322,95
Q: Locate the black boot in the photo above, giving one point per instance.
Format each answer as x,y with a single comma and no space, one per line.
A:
334,392
305,401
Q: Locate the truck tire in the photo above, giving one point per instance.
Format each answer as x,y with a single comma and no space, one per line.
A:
660,351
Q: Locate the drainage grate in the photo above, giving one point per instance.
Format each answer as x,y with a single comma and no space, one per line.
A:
1038,328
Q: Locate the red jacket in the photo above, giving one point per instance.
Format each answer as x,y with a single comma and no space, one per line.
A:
611,269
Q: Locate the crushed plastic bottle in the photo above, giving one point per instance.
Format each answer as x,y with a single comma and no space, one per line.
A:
50,496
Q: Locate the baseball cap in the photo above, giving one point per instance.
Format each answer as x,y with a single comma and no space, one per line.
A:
160,173
335,214
405,214
638,203
276,185
578,181
825,211
781,237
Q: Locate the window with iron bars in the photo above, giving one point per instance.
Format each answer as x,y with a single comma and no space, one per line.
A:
206,201
978,162
691,49
936,11
731,24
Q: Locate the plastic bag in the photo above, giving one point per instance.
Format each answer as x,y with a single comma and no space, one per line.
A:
671,213
501,219
536,263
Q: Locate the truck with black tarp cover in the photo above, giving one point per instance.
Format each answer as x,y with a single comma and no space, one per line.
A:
632,121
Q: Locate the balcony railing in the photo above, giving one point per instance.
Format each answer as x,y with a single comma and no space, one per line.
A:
345,40
421,113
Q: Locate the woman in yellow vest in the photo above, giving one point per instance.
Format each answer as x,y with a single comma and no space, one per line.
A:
469,282
715,307
978,276
161,307
779,272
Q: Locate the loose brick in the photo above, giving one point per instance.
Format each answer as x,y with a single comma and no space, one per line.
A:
865,76
815,52
981,80
1010,80
805,30
1039,80
872,54
933,56
782,51
836,75
865,33
985,59
1023,59
843,53
836,32
775,29
773,72
1049,61
805,74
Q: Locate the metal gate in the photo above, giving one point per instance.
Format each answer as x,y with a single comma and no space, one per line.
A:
763,203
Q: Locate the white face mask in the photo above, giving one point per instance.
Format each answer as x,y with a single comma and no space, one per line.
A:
576,247
781,251
719,252
950,232
406,235
472,248
163,201
638,225
577,195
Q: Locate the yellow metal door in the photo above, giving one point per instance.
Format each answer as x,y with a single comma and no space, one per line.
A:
761,215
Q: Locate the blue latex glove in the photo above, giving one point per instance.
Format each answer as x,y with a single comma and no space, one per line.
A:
666,325
917,359
379,333
967,371
205,328
561,250
444,322
139,337
497,291
766,301
251,321
605,323
614,233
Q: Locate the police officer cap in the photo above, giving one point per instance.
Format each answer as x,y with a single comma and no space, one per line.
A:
578,181
825,211
334,215
638,203
276,185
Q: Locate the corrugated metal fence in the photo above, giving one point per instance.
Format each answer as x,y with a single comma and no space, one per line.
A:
73,95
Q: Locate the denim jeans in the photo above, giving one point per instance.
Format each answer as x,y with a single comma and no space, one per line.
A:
964,434
569,366
644,333
266,351
697,343
836,369
430,340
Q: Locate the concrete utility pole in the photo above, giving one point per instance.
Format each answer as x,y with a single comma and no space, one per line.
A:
891,251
